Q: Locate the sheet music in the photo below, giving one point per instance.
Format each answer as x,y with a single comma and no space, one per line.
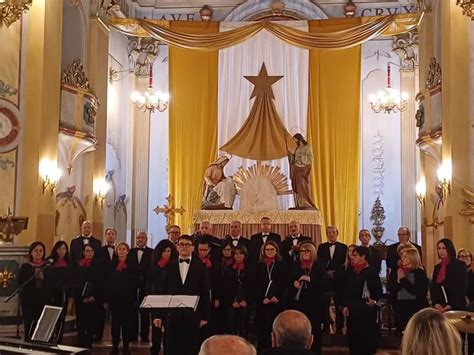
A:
445,296
184,301
156,301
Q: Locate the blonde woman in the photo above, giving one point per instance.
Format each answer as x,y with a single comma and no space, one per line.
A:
409,287
429,333
272,281
305,292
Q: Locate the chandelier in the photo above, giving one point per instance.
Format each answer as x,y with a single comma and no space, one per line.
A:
150,100
388,100
11,10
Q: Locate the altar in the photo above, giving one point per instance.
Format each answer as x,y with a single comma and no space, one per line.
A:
310,221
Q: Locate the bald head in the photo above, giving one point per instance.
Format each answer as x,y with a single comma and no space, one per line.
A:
226,344
292,329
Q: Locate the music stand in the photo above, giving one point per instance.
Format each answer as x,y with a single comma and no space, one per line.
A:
46,325
167,305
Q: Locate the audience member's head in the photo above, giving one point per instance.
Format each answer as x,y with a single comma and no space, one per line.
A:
429,333
226,344
445,248
403,234
292,330
332,233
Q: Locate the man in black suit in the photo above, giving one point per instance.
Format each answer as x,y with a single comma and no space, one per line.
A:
332,255
174,232
392,253
77,244
105,256
375,256
290,247
141,257
185,276
257,240
236,235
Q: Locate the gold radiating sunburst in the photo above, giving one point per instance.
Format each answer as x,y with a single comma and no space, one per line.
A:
272,173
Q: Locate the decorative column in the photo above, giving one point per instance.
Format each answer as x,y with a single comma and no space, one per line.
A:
406,46
143,52
98,78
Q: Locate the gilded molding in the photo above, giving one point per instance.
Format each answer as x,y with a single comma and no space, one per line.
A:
142,53
6,89
75,75
468,210
467,7
405,46
434,74
11,11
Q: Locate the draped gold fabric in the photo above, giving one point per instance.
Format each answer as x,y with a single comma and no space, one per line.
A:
192,119
364,30
334,131
262,136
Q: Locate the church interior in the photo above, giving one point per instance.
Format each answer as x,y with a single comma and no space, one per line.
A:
144,115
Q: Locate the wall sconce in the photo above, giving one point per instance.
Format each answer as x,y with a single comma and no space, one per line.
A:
444,180
50,175
421,191
100,191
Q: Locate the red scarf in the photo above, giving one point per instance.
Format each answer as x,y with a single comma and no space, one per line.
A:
306,264
442,271
61,262
359,267
37,263
268,261
227,261
407,270
85,262
239,266
162,262
206,261
122,265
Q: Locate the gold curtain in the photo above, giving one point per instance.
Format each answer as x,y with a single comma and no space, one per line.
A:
353,35
334,131
193,119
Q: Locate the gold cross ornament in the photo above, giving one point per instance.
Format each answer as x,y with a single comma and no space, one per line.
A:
169,211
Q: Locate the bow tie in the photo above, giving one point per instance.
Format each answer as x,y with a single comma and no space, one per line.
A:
111,246
332,244
142,249
184,260
265,235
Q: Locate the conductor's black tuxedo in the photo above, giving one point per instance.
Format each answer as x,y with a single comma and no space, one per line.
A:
183,327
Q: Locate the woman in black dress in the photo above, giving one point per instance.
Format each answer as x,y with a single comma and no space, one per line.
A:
58,278
466,257
163,253
122,285
34,295
238,283
409,288
449,285
305,292
363,290
341,280
271,288
226,261
87,295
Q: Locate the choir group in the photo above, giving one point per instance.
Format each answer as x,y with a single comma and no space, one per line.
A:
242,284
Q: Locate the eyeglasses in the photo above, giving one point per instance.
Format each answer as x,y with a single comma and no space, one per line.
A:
185,245
464,256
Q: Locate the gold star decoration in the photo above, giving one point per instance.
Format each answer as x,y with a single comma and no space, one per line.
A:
263,83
